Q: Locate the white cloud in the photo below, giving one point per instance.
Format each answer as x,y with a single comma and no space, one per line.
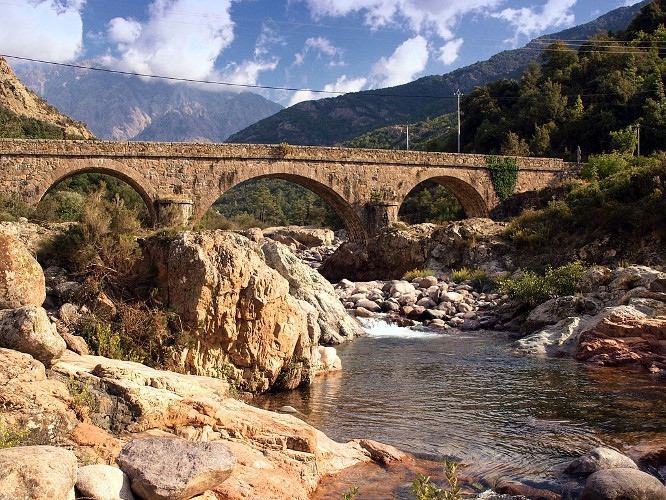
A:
269,36
181,38
322,46
421,16
47,29
408,60
530,22
448,53
342,84
247,73
121,30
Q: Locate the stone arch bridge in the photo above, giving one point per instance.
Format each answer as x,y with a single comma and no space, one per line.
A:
182,180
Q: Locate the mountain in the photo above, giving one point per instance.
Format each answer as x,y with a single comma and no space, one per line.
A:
25,115
331,121
119,107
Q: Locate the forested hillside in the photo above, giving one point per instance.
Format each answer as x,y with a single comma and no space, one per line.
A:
596,97
327,122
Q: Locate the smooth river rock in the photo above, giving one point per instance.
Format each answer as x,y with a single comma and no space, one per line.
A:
103,482
175,469
599,459
623,484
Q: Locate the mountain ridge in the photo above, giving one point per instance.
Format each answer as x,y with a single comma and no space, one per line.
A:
18,102
119,107
330,121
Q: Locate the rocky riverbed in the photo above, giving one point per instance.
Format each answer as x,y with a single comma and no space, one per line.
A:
114,429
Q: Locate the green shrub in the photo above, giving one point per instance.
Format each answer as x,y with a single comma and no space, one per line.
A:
11,435
417,273
11,208
532,289
478,277
602,166
424,489
60,206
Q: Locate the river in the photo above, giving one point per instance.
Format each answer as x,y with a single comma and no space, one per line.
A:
470,397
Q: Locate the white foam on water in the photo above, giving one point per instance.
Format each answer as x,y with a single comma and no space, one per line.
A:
377,327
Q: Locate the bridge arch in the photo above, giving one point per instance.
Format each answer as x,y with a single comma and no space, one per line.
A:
356,230
472,201
105,166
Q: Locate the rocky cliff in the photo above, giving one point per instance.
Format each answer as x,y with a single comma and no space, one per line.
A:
20,101
248,322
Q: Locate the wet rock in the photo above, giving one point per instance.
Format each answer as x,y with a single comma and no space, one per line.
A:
21,277
37,473
175,469
599,459
362,312
555,340
525,491
29,330
382,453
623,484
103,482
329,359
369,305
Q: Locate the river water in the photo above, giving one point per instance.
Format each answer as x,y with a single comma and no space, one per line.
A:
470,397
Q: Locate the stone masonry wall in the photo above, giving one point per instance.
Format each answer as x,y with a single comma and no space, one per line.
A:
348,179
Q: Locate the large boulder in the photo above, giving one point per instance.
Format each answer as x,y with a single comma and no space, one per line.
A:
175,469
37,473
28,329
307,284
555,340
21,277
597,459
474,243
623,484
243,322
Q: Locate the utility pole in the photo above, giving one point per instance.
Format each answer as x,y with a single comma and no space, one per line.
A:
407,137
458,94
638,139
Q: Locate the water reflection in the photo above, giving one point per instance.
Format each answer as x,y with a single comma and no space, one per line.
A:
469,397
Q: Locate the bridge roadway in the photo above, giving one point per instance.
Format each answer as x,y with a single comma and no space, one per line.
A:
180,181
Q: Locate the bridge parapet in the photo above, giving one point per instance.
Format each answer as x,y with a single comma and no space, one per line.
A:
219,151
364,186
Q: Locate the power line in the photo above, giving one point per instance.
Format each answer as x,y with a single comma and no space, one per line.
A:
366,93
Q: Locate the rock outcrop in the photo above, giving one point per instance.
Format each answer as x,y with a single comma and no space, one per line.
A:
619,320
244,318
474,243
21,101
306,284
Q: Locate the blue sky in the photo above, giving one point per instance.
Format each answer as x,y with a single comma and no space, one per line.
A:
335,45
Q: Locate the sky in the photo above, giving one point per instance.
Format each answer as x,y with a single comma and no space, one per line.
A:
331,45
